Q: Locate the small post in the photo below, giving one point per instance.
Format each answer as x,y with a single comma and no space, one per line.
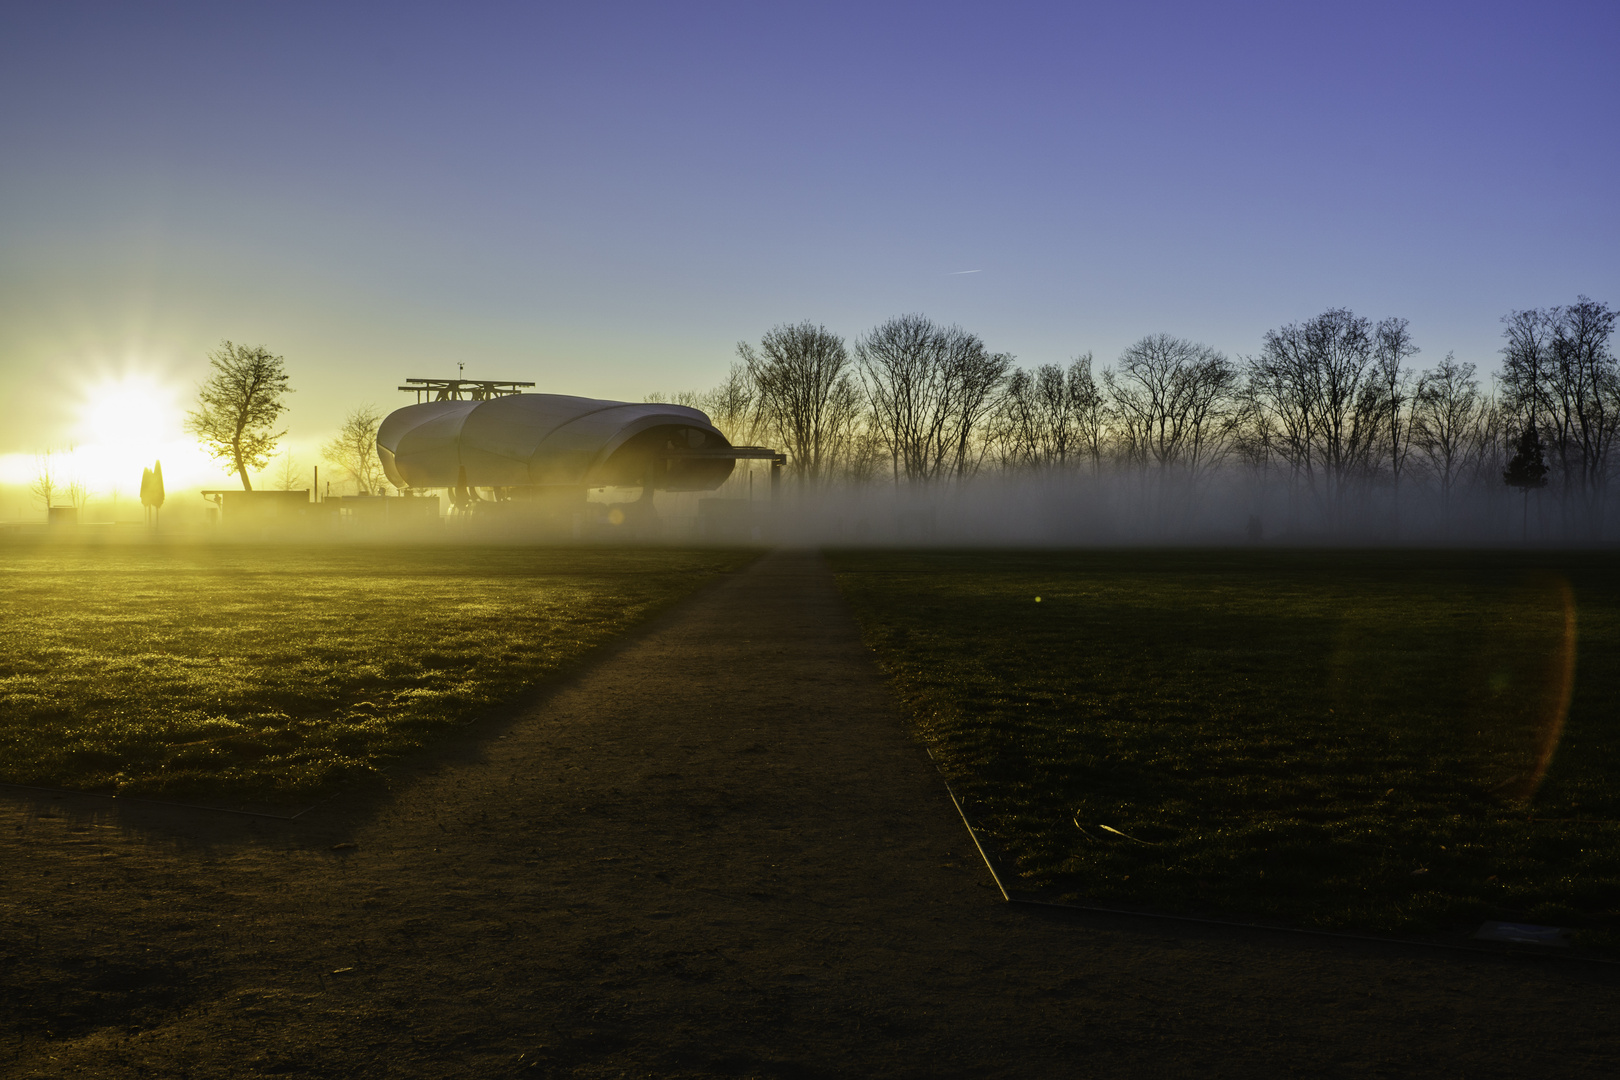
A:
776,474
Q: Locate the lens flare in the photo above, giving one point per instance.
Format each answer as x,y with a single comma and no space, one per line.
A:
1491,684
1558,690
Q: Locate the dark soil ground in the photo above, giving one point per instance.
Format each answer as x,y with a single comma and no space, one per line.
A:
715,852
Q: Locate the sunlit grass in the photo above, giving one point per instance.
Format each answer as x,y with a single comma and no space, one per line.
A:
277,674
1333,739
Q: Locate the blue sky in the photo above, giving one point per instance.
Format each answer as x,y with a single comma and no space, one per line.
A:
604,198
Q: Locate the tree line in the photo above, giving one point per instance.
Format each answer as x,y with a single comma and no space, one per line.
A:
1330,411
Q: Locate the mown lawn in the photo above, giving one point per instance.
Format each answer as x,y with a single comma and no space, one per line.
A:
276,674
1331,739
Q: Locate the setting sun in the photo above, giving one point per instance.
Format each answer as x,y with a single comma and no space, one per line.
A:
133,415
125,423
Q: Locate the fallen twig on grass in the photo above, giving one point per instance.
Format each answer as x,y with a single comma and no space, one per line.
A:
1116,832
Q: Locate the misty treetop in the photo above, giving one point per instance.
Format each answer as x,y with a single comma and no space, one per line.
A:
1330,417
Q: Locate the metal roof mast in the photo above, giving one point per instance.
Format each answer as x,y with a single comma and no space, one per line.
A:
459,389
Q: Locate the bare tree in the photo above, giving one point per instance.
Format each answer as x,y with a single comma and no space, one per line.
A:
354,449
1048,417
867,455
56,476
1525,363
804,395
731,406
1392,344
1090,410
1560,377
1279,402
1446,416
692,399
971,378
1311,392
288,473
930,389
238,405
45,482
1586,396
1486,448
1175,402
77,489
1016,422
897,361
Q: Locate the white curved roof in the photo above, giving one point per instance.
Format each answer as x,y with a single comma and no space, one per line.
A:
543,440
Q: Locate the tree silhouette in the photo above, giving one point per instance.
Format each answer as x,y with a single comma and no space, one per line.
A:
1527,469
238,405
45,482
354,450
804,395
152,490
931,389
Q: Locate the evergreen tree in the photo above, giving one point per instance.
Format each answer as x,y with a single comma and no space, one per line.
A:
1527,469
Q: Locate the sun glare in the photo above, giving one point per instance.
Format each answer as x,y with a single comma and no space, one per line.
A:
132,415
126,423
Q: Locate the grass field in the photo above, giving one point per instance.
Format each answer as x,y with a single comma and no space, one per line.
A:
1328,739
274,674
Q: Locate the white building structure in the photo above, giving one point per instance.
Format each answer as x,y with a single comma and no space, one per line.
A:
531,443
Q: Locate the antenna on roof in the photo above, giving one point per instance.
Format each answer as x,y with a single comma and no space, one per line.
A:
462,389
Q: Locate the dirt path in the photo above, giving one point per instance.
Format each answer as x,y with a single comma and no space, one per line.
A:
714,853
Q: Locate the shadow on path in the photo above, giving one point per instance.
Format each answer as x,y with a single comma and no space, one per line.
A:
715,853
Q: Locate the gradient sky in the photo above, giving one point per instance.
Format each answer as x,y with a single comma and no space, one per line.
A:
604,198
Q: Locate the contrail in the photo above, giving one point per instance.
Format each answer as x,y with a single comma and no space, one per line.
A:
957,273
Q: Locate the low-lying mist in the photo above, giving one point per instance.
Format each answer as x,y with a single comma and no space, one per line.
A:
1122,508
